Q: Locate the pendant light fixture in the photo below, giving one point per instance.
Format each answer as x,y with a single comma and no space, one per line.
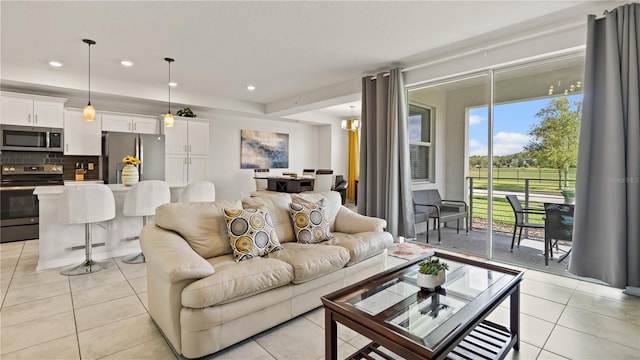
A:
351,124
168,118
89,111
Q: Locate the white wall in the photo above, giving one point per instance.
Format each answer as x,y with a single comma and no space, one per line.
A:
231,181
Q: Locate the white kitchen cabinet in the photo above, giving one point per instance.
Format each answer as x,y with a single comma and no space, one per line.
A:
198,137
176,138
81,137
187,151
31,110
129,123
176,169
197,167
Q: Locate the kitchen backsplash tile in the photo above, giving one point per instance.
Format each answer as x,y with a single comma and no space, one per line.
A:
69,162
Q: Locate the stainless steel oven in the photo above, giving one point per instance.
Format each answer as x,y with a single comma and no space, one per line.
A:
27,138
19,210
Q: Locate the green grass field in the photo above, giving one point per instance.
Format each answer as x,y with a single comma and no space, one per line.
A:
541,181
502,212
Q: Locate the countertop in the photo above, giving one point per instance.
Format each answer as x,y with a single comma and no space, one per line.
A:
57,189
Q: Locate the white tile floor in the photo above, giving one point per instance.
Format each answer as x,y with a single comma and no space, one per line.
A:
45,315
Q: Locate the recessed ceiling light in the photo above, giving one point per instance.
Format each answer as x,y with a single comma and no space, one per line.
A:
126,63
172,84
55,63
251,87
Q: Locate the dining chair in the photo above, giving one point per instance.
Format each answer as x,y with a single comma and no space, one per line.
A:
558,226
323,180
308,172
259,175
522,221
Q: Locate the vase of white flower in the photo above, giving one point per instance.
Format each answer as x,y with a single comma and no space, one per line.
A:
130,174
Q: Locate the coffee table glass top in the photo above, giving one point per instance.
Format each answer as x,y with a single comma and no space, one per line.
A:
428,316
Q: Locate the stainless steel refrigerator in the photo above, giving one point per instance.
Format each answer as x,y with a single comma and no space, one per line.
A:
148,148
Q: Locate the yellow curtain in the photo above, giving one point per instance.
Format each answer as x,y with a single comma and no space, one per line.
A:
353,170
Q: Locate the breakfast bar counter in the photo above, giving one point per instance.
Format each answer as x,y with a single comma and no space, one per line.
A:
63,244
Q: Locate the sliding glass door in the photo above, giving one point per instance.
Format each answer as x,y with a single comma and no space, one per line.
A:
485,136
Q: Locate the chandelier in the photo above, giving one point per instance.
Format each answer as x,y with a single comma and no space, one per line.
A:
351,124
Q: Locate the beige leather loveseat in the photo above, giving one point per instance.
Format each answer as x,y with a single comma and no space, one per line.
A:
203,300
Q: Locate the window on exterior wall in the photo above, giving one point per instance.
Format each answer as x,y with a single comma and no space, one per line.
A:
420,126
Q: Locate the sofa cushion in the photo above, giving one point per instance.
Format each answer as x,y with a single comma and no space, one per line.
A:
310,261
201,224
361,246
332,201
251,233
278,206
236,280
310,222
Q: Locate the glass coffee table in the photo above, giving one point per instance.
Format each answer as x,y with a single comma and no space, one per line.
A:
448,323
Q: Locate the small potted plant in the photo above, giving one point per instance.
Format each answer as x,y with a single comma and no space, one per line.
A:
569,195
431,273
186,112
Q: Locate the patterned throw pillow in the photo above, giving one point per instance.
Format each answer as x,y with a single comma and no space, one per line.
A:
310,222
251,233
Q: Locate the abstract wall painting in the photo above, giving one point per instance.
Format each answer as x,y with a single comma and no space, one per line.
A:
265,150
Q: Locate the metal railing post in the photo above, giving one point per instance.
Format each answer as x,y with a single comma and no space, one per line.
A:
526,205
470,219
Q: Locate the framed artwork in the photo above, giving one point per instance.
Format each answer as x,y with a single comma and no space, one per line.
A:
266,150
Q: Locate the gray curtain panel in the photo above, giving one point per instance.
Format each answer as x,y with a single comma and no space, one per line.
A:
606,237
384,186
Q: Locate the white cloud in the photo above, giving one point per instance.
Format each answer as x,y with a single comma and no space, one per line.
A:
505,143
477,148
475,119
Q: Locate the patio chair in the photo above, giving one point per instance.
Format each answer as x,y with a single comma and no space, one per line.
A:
520,220
558,226
428,204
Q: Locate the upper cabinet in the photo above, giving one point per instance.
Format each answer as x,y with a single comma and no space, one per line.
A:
31,110
129,123
187,151
81,137
187,137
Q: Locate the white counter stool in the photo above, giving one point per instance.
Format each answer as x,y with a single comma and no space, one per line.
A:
142,200
86,204
198,191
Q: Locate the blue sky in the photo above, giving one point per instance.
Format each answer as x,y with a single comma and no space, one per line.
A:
512,123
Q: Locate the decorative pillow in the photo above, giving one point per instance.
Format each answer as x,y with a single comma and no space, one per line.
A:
310,222
251,233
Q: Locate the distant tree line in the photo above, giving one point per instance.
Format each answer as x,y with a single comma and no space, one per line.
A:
521,159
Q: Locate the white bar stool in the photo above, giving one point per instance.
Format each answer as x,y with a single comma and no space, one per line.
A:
142,200
86,204
198,191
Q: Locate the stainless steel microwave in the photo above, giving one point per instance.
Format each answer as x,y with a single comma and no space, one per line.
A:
27,138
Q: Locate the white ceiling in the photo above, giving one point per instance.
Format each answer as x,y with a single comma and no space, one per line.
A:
283,48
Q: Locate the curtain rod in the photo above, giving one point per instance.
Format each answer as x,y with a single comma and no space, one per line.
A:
484,49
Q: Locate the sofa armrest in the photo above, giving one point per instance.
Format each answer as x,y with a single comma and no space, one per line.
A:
351,222
169,253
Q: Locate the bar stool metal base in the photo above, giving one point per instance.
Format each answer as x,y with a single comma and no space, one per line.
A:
134,259
87,267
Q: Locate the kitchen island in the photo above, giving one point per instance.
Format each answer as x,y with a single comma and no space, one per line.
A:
63,244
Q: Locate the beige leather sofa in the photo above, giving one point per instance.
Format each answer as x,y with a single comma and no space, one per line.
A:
203,301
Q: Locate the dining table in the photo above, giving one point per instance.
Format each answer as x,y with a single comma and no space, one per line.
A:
288,184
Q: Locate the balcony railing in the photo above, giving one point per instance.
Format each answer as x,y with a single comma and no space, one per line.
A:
532,193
